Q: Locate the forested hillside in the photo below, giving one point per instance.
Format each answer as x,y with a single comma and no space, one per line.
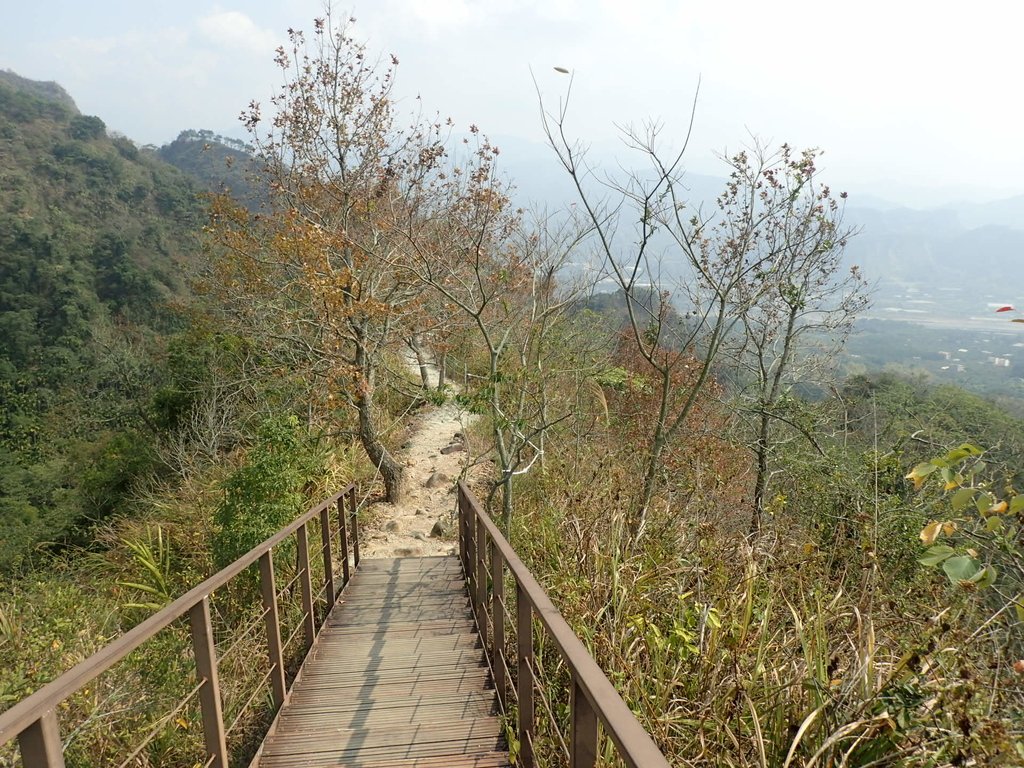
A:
95,243
216,163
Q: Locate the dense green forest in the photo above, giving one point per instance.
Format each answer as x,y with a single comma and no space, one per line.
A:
96,239
779,555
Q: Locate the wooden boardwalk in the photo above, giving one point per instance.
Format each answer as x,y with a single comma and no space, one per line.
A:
397,678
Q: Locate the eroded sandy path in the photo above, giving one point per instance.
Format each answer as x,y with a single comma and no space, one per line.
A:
422,525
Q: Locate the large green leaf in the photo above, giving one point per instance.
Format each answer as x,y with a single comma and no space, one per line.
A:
983,503
961,568
986,577
962,452
936,555
922,470
962,498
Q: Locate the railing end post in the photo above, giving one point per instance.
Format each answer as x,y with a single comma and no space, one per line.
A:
209,694
40,743
355,527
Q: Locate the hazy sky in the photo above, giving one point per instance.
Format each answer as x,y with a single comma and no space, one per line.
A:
900,94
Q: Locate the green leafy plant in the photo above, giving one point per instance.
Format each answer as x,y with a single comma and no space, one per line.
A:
264,495
153,558
980,541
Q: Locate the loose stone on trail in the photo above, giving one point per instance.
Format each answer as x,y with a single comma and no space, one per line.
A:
437,480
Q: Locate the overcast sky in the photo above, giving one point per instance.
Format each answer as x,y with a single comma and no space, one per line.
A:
900,94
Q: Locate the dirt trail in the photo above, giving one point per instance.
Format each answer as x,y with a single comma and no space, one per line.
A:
434,456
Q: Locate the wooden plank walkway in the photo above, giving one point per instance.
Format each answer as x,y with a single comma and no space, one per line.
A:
396,678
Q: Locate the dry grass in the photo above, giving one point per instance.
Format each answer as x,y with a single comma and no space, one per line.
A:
768,656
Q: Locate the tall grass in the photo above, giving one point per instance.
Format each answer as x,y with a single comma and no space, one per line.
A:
733,655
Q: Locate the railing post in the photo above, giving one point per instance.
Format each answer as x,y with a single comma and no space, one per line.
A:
325,538
498,624
582,729
524,675
306,585
343,532
480,585
209,693
40,743
355,526
268,589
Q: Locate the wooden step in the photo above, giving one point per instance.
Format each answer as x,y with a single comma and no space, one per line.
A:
398,677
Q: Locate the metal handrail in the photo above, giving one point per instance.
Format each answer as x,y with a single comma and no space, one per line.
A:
33,721
593,698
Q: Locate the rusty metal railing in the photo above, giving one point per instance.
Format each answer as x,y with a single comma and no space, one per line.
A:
34,721
487,559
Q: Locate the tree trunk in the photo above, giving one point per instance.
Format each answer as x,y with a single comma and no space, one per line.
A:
769,400
506,503
421,361
653,460
442,369
761,478
390,470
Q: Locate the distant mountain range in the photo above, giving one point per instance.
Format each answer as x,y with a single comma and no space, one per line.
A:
958,257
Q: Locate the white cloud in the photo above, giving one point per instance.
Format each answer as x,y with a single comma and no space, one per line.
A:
235,30
888,88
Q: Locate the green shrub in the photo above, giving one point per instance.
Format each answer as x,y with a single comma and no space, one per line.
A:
122,460
86,127
266,493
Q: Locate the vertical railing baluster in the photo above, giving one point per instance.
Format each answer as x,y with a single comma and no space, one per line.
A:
469,566
498,624
325,538
463,536
343,533
40,743
480,585
209,694
582,729
524,675
355,526
268,590
306,585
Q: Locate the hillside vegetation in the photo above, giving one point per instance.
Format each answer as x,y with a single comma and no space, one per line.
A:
216,163
776,566
96,240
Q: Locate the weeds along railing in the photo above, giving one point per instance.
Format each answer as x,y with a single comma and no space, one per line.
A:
34,721
593,703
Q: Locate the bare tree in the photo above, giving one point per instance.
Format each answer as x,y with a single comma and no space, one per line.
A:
318,275
642,219
500,274
768,239
793,332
